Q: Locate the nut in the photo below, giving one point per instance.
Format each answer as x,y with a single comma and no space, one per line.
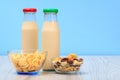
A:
72,56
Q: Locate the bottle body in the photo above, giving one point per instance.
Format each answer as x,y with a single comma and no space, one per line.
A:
50,42
29,36
29,30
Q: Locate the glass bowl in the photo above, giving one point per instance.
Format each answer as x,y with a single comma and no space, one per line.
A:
66,65
27,62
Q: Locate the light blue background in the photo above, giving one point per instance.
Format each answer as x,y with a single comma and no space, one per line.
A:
88,27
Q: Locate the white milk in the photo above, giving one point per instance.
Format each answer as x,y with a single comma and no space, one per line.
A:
50,42
29,35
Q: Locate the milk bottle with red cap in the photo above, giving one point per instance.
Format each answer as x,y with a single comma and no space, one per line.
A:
29,30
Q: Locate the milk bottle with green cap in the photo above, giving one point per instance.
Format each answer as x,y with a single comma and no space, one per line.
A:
50,36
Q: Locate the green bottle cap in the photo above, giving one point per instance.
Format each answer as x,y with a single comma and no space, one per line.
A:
50,10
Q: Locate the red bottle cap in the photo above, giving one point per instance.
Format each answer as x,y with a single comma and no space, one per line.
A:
29,10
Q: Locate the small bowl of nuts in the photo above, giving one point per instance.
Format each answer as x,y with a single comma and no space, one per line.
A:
27,62
70,64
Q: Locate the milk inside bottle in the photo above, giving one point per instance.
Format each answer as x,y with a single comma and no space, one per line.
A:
29,30
50,37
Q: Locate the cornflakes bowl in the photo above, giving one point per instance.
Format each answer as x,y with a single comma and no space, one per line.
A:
27,62
69,64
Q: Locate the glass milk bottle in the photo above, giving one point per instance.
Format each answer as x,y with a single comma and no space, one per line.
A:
50,37
29,30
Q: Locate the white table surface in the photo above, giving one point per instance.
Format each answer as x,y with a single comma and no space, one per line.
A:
93,68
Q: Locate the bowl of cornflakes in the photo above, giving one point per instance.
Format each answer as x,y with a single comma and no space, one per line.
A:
27,62
69,64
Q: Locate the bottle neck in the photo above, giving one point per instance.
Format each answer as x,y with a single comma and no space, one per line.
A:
29,16
50,17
